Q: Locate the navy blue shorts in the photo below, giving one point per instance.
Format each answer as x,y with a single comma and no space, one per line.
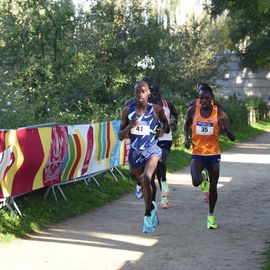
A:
165,148
138,158
213,159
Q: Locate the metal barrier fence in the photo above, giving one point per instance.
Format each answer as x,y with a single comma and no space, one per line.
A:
50,156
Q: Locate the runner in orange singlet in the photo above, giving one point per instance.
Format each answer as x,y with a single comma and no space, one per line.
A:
205,185
206,120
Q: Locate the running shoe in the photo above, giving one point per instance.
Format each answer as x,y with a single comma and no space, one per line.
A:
164,202
164,188
205,183
206,196
211,222
147,224
155,220
139,192
154,216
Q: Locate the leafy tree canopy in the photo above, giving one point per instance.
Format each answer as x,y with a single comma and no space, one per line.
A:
249,28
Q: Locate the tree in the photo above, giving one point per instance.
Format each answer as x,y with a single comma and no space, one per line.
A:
76,66
249,25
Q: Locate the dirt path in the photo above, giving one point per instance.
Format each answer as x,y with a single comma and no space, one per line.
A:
111,237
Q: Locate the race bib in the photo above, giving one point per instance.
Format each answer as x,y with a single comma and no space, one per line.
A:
204,128
143,129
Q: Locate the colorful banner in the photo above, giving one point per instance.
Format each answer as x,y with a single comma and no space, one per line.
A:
32,158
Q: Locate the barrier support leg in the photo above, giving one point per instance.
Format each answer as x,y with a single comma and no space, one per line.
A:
12,202
52,188
96,181
113,175
5,203
120,173
62,193
8,202
54,194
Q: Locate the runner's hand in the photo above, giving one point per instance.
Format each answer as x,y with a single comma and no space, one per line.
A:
160,132
187,143
133,123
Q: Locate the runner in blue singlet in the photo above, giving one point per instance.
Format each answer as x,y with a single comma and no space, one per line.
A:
142,122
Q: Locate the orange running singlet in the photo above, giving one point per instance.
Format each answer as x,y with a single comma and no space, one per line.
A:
205,132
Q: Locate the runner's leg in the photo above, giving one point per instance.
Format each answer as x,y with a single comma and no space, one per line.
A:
213,170
149,169
196,169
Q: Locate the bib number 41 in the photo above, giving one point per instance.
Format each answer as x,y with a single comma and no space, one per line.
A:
142,130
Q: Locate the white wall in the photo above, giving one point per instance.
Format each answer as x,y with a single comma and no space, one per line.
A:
242,82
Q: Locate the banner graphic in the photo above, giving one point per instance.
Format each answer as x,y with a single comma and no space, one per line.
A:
33,158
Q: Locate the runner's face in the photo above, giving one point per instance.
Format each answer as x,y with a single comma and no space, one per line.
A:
142,93
205,99
155,96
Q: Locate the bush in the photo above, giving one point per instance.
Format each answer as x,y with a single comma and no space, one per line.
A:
257,108
237,111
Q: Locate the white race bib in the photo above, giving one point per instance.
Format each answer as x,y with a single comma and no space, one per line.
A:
143,129
204,128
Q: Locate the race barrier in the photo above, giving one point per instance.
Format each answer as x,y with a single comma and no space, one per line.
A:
36,157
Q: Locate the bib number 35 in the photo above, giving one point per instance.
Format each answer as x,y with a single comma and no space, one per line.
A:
204,128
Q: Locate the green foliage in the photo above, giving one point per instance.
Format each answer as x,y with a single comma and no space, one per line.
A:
237,111
267,266
249,24
178,158
68,66
258,105
75,66
244,111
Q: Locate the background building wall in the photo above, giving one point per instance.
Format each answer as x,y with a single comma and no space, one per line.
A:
242,82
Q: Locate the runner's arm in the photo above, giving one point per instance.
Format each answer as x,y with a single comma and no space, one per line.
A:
165,127
173,116
192,103
126,125
224,124
187,125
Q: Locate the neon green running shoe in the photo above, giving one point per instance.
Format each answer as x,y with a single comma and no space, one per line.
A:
205,183
211,222
164,188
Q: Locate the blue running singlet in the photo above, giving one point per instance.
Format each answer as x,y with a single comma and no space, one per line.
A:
144,134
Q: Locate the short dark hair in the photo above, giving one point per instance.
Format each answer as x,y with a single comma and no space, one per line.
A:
140,83
205,87
155,88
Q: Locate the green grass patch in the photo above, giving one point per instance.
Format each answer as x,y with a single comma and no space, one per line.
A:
178,159
267,265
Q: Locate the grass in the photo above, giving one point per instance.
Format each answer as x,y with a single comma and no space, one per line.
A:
267,265
37,212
